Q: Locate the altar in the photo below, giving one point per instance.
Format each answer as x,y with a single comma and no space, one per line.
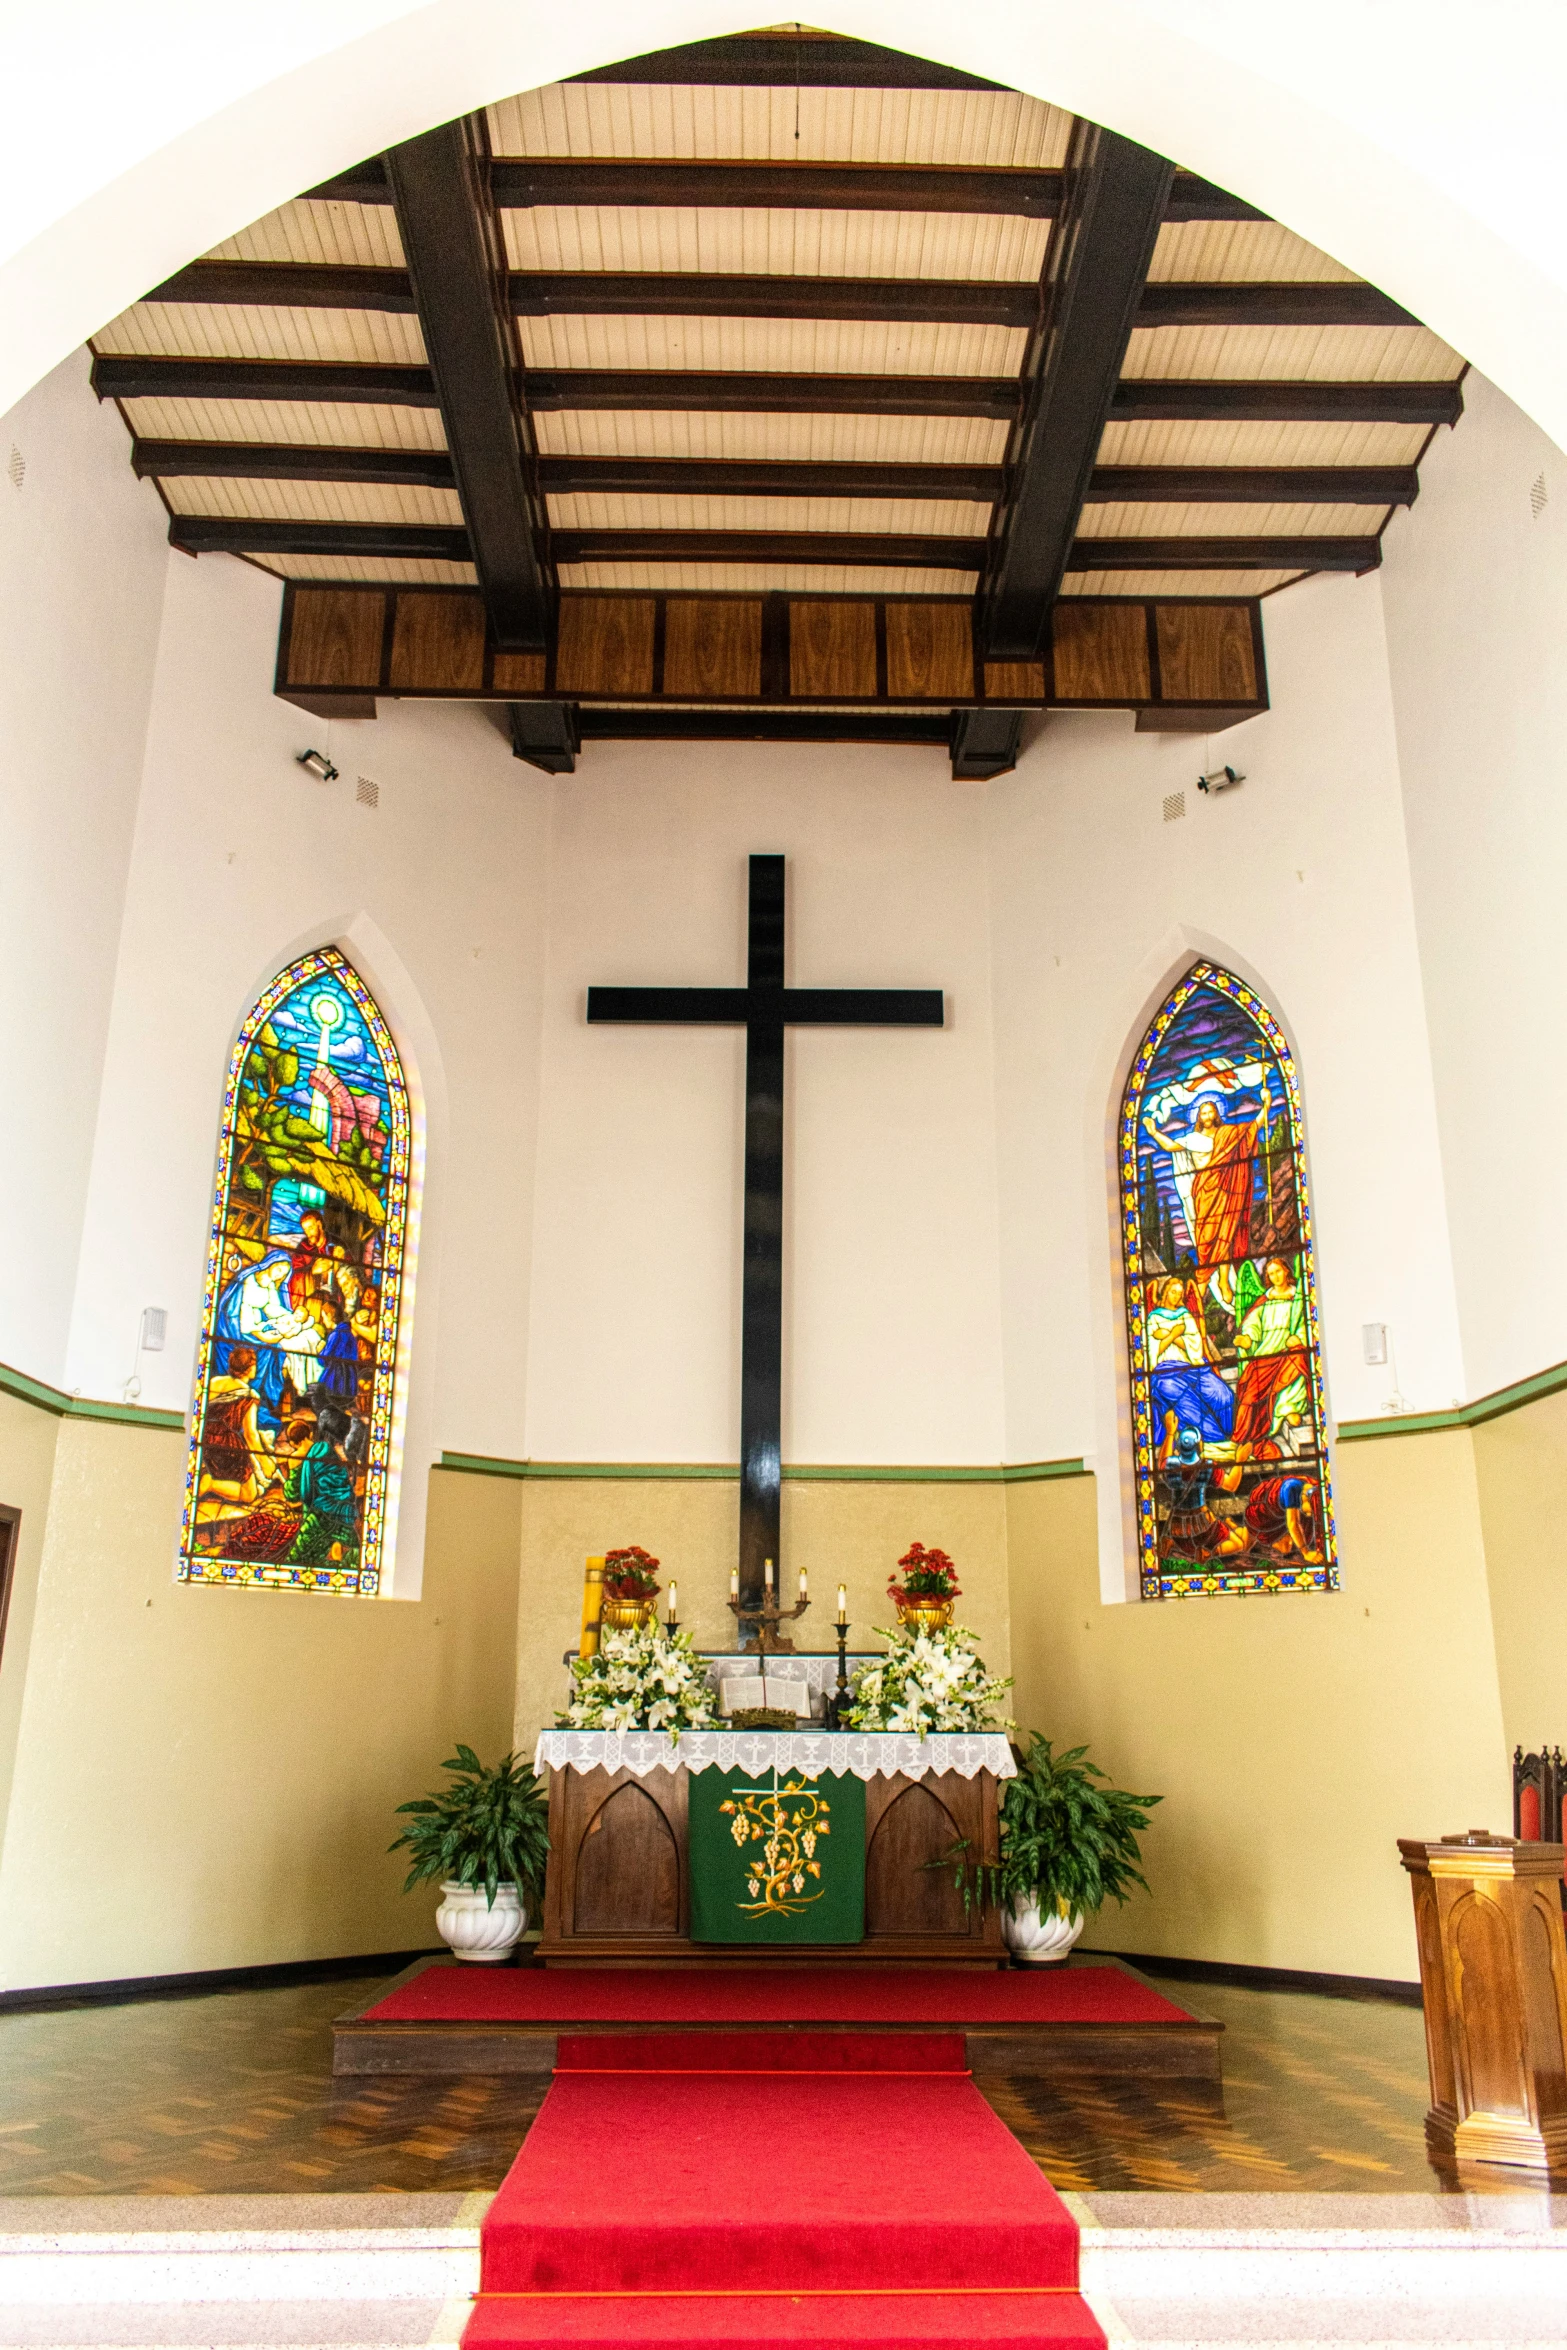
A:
620,1884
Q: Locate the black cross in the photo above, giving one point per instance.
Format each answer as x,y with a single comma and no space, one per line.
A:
765,1007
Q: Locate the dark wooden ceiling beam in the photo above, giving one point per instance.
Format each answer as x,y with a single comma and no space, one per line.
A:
452,250
127,377
1342,485
429,469
807,60
1286,403
1095,271
600,293
229,534
517,183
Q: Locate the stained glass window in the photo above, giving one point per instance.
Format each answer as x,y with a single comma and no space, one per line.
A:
295,1423
1228,1427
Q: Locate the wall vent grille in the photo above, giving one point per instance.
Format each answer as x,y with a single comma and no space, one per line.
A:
16,467
1539,496
1174,806
367,792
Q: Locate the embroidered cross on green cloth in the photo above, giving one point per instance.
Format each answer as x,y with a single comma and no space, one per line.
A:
777,1858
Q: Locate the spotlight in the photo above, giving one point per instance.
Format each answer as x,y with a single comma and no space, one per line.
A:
319,764
1220,780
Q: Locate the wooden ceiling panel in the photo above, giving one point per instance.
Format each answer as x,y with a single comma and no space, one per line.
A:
1175,583
773,346
312,501
225,330
620,510
374,570
1241,252
780,125
1290,354
808,579
1228,521
777,438
957,246
360,236
1255,443
288,424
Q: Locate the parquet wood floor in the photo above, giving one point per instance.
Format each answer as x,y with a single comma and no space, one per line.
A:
233,2094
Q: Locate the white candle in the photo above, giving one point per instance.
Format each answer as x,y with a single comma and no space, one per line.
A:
767,1573
734,1582
674,1603
804,1593
843,1603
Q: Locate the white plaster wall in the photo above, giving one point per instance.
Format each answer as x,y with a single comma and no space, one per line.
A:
1475,588
82,564
891,1336
1299,878
242,860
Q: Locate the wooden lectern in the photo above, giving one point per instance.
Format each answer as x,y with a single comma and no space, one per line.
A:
1493,1976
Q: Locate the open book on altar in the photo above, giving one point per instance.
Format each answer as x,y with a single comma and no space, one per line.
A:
747,1692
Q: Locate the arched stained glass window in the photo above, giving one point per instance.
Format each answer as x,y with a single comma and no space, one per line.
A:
295,1423
1228,1426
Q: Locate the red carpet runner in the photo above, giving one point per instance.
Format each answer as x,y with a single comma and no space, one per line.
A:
749,2191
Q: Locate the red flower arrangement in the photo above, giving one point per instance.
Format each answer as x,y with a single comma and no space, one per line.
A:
927,1574
630,1574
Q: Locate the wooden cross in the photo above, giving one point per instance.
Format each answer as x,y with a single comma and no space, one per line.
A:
765,1007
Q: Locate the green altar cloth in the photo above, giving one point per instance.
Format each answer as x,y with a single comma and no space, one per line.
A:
778,1858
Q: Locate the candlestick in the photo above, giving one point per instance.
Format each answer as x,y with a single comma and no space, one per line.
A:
843,1603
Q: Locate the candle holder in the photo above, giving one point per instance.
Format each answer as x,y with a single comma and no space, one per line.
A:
765,1639
840,1696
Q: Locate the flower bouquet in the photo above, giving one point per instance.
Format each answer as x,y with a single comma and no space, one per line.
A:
927,1681
630,1589
643,1679
930,1585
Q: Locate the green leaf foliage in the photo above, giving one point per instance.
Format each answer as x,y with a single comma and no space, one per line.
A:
1063,1838
489,1828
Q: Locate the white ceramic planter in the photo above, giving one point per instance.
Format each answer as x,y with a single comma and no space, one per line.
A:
471,1929
1035,1939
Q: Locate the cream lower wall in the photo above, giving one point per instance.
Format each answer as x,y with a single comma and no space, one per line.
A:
1520,1461
1293,1740
841,1532
207,1778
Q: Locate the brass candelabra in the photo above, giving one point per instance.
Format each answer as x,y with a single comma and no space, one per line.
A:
764,1621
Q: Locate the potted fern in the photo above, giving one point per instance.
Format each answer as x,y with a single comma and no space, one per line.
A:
485,1838
1067,1846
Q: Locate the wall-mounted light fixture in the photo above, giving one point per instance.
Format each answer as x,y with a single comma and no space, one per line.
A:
319,764
1221,779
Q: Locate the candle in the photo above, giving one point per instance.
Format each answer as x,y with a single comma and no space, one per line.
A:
734,1582
674,1603
804,1593
843,1603
767,1573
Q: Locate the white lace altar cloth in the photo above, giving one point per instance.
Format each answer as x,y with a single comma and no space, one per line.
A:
866,1754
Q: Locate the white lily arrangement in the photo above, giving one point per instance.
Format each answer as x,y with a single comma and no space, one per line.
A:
649,1679
927,1681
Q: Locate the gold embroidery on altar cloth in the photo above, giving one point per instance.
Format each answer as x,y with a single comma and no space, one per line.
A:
787,1822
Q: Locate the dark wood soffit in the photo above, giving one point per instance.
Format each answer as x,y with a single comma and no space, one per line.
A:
122,377
598,293
1319,485
807,60
400,541
1093,284
452,259
519,183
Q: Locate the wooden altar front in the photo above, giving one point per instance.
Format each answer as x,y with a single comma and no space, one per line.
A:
618,1891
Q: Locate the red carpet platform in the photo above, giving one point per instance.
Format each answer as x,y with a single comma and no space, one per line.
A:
1096,2019
862,2207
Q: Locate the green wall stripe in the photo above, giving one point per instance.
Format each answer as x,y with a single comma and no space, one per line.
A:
1465,1415
475,1464
81,1407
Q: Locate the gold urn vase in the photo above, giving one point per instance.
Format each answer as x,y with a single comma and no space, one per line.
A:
922,1613
629,1615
